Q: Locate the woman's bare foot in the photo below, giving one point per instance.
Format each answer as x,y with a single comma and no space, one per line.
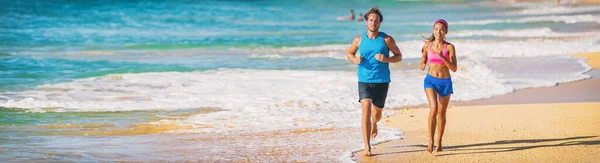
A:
438,148
429,147
374,131
367,152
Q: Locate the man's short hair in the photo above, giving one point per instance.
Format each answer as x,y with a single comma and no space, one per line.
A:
374,10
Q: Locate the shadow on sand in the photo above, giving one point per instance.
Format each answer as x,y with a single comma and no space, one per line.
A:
507,145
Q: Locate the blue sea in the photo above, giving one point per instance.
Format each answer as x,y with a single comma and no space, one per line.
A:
249,80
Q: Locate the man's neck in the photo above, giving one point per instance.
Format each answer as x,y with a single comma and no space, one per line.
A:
372,35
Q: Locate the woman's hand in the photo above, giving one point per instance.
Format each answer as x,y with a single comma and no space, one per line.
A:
438,51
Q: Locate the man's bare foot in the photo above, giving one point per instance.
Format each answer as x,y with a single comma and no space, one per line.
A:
438,148
429,148
367,152
374,131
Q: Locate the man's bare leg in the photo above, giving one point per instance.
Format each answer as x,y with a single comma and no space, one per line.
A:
366,124
376,116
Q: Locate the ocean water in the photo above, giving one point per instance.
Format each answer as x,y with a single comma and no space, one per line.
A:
257,81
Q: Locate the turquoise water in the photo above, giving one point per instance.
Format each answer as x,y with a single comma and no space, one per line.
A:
191,24
64,26
34,31
16,116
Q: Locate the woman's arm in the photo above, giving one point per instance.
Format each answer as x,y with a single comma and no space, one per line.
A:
451,64
424,56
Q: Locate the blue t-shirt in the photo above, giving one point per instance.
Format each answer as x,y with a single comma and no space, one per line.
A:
370,70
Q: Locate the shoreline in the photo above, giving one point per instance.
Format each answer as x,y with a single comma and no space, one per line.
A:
587,90
572,92
576,91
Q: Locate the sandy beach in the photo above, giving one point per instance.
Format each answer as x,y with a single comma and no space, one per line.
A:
549,124
560,132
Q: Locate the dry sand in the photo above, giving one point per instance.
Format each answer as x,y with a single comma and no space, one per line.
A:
563,132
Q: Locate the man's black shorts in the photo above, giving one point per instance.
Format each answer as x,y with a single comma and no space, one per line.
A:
375,91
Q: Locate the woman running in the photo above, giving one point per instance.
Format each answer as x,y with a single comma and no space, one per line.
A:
441,57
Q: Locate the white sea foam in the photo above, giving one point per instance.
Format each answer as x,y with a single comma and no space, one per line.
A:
412,49
534,4
544,8
266,56
569,19
540,10
263,100
531,32
339,51
281,88
328,51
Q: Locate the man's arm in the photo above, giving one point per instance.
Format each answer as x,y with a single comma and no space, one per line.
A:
390,43
351,55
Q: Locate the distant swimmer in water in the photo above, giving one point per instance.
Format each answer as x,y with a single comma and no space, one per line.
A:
350,17
360,17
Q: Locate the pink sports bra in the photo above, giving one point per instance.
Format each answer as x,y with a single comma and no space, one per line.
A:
433,57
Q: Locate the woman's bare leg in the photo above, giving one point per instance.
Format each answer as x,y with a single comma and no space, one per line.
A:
441,120
366,124
432,99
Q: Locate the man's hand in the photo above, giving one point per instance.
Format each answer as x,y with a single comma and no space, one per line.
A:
380,58
356,60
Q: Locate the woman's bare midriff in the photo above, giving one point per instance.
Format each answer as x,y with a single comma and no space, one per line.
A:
439,70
